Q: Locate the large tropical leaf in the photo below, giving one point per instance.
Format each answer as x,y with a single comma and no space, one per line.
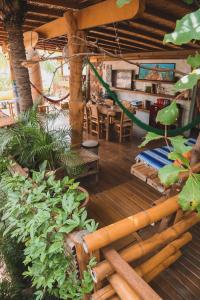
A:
187,29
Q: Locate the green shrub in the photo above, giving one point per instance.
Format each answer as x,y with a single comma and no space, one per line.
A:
33,139
39,213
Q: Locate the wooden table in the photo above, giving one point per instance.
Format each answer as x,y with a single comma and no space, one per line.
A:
5,120
10,105
86,159
110,112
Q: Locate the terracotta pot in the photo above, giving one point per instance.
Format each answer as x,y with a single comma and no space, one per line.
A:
87,199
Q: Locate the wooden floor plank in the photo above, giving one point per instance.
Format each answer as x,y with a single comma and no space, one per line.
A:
118,194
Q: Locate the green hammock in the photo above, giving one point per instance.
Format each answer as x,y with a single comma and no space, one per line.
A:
135,120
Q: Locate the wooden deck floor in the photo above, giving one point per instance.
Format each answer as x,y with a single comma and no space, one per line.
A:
118,194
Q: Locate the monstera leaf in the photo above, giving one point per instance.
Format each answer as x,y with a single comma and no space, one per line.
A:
121,3
187,29
168,115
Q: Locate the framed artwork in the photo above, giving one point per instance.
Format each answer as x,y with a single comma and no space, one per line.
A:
122,79
147,74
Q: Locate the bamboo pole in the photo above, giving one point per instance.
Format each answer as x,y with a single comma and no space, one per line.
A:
169,250
167,259
120,229
133,279
101,295
116,280
163,266
104,293
122,288
104,269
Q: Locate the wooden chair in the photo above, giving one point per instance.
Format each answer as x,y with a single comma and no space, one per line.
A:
123,128
109,102
97,124
86,119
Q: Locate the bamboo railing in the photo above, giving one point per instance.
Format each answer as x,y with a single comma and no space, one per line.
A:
129,254
152,267
120,229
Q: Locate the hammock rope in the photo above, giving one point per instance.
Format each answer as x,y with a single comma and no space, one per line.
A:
134,119
47,98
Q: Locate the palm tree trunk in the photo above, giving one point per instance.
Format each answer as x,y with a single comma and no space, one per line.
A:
17,52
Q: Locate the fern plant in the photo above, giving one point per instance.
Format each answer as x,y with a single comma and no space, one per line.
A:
33,139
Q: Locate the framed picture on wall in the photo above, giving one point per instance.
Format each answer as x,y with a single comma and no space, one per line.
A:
122,79
148,74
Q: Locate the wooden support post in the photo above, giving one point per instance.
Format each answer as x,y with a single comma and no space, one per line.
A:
35,76
76,105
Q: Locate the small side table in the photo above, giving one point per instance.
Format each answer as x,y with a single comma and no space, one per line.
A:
84,159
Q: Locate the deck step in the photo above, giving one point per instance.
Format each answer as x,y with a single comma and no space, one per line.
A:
148,175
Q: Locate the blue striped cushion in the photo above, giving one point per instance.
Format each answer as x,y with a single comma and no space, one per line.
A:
158,157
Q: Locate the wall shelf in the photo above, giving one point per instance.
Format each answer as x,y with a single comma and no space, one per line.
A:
144,93
155,81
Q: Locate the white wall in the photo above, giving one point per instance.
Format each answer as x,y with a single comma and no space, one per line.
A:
181,65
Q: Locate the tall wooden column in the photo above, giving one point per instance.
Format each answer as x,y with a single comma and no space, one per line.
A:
76,105
35,75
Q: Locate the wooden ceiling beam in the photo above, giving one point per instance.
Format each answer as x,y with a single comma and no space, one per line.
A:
34,18
113,47
86,3
45,11
149,28
110,42
177,8
115,51
57,3
128,33
137,41
147,35
172,54
157,19
95,15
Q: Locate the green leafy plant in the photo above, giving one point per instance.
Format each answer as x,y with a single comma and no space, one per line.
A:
39,213
33,139
12,282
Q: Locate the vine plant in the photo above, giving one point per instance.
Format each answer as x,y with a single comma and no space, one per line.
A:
187,30
39,212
